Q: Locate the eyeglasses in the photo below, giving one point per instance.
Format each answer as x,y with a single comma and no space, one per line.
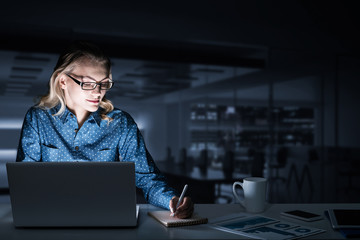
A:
105,84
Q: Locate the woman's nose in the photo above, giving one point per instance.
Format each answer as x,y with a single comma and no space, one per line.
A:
97,90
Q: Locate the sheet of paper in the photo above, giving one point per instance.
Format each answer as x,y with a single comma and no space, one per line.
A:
262,227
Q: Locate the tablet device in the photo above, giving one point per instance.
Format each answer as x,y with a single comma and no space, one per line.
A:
344,218
302,215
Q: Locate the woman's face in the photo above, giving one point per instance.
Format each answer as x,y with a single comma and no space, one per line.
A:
77,99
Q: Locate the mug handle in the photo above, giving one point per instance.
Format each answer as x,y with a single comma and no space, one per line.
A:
235,195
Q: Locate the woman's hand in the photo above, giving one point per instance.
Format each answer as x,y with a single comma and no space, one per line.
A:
185,209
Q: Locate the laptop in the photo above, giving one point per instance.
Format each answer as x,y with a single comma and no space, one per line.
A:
73,194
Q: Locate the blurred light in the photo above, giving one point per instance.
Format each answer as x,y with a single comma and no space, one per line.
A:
141,123
230,110
11,123
7,154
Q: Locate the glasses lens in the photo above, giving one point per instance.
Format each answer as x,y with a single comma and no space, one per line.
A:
88,85
106,85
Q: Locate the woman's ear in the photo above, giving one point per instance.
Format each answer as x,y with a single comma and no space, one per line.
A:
62,82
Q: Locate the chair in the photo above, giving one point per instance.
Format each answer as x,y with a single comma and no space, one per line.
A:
228,167
228,164
185,161
169,156
203,162
281,162
182,156
257,162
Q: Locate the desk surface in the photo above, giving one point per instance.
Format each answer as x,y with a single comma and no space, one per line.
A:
148,228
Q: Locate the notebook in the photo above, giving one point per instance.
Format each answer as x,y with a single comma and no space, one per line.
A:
73,194
164,218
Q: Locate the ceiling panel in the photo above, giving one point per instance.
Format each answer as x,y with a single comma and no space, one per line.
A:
28,73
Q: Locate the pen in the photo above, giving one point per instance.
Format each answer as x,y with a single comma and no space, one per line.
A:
181,198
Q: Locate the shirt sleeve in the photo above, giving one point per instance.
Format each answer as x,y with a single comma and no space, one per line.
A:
29,149
148,176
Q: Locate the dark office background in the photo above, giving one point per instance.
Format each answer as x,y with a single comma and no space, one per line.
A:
220,89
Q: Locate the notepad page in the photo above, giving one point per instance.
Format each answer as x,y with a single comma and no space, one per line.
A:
169,221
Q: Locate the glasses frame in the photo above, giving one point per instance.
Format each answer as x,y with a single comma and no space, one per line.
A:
96,84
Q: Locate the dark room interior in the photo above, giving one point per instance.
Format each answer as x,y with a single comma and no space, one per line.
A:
220,90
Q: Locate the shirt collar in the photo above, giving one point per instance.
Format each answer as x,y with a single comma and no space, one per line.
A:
94,115
62,117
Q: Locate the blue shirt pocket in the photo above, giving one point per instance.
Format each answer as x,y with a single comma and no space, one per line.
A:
107,155
50,153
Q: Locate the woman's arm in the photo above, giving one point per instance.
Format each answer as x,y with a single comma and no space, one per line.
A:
29,144
148,177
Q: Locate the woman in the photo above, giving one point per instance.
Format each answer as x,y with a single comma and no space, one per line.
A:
75,122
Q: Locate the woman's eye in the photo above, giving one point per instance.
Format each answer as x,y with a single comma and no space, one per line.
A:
88,85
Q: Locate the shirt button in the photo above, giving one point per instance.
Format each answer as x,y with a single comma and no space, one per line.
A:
76,130
76,148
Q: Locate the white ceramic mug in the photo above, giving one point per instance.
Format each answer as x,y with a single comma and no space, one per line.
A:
254,193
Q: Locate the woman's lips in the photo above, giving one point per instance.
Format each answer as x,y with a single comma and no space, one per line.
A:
93,101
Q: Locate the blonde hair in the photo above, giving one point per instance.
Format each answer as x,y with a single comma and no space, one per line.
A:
74,53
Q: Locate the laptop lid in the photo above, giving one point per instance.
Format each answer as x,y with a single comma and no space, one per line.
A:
72,194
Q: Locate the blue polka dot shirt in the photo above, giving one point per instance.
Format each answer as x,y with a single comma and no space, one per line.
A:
49,138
